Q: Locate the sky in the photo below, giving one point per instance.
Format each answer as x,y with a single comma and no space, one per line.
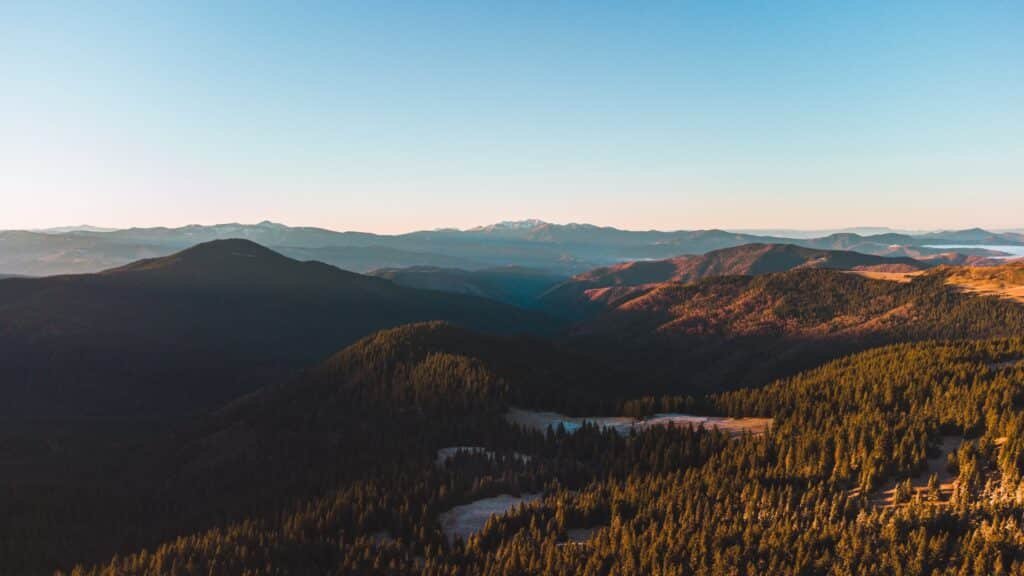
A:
395,116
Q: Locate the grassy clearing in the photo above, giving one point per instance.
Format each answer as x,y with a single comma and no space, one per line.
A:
901,277
1005,281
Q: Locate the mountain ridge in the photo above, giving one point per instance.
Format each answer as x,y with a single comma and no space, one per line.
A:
562,248
610,283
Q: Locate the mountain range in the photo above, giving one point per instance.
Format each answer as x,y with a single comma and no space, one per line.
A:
563,249
167,336
231,407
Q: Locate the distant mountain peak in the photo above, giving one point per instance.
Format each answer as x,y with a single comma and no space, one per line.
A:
272,224
509,225
73,229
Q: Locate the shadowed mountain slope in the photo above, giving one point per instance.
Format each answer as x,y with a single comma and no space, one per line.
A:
387,402
514,285
170,335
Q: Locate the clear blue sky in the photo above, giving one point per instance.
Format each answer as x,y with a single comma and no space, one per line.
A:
391,116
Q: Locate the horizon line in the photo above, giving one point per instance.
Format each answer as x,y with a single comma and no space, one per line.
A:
101,229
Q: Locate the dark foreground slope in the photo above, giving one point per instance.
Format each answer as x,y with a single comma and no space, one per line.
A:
665,501
175,334
376,410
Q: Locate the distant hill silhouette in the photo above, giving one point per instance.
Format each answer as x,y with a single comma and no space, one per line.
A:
171,335
972,236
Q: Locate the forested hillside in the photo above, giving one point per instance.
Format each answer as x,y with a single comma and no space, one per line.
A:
799,499
391,399
737,331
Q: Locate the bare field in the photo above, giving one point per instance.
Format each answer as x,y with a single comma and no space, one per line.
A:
992,289
446,454
623,424
901,277
1006,281
734,426
463,521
